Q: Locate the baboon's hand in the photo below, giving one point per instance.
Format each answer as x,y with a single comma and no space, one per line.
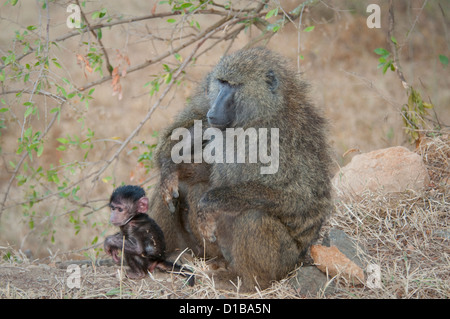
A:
206,224
115,256
169,191
114,253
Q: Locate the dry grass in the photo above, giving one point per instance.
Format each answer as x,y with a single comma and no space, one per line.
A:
406,234
360,102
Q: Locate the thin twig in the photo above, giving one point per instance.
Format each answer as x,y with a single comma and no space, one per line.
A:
394,47
121,265
108,64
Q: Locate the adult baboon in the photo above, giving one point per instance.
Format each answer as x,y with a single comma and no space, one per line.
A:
260,223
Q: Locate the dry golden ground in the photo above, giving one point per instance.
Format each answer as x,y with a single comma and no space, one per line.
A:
361,103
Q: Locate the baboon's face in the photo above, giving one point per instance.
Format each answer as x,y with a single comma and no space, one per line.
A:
124,209
241,88
222,111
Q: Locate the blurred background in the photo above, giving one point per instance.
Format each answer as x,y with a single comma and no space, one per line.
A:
68,121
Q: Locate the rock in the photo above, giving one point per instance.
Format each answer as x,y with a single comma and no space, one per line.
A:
310,281
346,245
393,169
28,254
333,262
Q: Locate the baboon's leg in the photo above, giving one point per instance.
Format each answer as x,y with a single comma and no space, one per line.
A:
258,248
169,222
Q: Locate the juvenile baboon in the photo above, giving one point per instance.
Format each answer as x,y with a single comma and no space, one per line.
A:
261,224
140,237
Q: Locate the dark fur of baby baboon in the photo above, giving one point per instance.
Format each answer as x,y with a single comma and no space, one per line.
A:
140,237
261,224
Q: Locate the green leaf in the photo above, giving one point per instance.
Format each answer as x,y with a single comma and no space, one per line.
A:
381,51
309,29
171,20
57,64
178,57
394,40
274,27
168,78
386,66
99,14
4,109
185,5
40,150
28,112
443,59
66,81
272,13
31,28
392,67
28,132
99,34
62,90
102,13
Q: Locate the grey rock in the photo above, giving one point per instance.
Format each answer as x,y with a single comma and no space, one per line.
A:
310,281
346,245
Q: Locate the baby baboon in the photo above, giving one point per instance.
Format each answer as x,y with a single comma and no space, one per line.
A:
261,224
140,236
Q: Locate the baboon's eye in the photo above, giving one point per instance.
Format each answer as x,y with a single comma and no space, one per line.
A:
272,81
223,82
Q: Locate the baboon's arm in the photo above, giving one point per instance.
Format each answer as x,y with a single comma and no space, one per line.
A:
115,242
237,198
169,169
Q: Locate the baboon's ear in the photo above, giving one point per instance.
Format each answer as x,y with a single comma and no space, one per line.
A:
272,81
142,205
